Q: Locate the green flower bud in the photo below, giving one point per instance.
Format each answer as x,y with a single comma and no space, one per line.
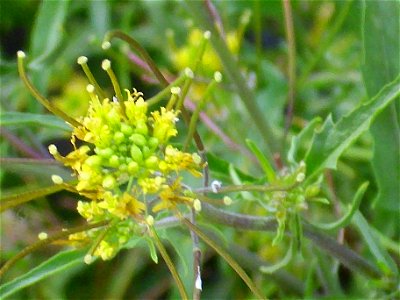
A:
147,152
133,167
153,143
108,182
136,153
105,153
93,161
141,128
151,162
312,191
114,161
119,137
138,139
126,129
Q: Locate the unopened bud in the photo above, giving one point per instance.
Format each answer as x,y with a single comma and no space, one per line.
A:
197,205
42,236
88,259
57,179
227,200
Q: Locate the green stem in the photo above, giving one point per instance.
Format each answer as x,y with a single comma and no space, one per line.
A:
18,199
225,255
230,65
287,9
135,45
246,188
346,219
46,103
325,45
169,263
167,90
347,256
41,243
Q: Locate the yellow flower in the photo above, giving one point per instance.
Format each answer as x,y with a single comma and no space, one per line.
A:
164,124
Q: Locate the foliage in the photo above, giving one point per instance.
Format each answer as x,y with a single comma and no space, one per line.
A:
251,147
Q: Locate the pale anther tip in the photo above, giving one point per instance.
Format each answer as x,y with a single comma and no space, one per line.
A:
42,236
207,35
106,64
150,220
90,88
175,90
53,149
189,73
106,45
82,60
218,76
88,259
57,179
21,54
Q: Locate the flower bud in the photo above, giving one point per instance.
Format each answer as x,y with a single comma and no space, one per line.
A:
197,205
141,128
57,179
151,162
108,182
227,200
114,161
93,161
119,137
136,153
126,129
133,167
138,139
42,236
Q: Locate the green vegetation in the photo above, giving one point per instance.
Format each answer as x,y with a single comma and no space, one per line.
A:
200,149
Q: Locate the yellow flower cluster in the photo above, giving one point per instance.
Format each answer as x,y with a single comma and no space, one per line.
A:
125,157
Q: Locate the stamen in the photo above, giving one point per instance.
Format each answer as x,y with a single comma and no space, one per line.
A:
106,66
82,60
106,45
175,92
46,103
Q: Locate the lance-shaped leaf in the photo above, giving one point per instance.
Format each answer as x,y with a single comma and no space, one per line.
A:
333,139
23,119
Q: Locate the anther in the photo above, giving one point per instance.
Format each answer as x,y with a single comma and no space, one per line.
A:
57,179
207,35
82,60
106,65
218,76
176,90
189,73
42,236
21,54
106,45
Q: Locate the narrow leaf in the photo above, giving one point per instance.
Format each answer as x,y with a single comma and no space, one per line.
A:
265,164
59,262
18,199
385,262
333,139
282,263
346,219
23,119
381,45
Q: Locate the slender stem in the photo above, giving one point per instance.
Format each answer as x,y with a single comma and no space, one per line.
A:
238,269
169,263
245,188
18,199
325,45
230,65
287,9
135,45
347,256
29,161
19,144
59,235
46,103
167,90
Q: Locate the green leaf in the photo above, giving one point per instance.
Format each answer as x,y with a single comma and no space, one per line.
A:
57,263
220,168
265,164
385,262
152,248
301,139
381,31
48,29
18,199
346,219
18,118
329,143
280,264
